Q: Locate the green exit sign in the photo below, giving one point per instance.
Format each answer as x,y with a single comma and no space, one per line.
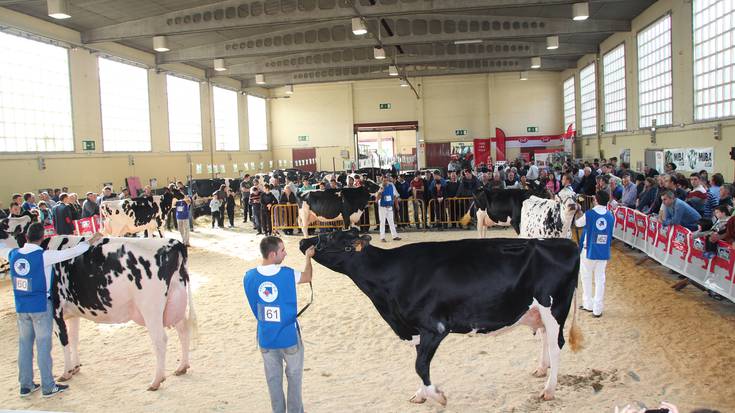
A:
303,138
384,106
460,132
532,129
88,145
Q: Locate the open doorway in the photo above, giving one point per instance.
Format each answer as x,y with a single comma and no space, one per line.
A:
382,145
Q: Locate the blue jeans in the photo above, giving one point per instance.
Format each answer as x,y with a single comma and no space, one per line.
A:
36,327
273,363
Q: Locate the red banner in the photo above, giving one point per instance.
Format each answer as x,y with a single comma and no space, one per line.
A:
499,144
87,226
482,149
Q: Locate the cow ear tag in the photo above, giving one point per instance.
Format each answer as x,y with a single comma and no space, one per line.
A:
357,246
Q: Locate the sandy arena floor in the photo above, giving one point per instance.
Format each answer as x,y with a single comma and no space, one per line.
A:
652,344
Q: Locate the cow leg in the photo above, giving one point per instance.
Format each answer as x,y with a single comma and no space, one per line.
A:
184,336
154,323
304,220
73,329
552,340
425,350
544,357
63,334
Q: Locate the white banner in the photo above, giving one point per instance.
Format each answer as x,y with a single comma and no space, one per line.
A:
690,159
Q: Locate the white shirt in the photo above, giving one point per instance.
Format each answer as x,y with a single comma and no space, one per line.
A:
532,173
273,269
50,257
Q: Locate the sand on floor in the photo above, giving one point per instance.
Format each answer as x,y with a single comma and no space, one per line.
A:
652,344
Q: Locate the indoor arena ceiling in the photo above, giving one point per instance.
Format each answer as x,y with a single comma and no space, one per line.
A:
311,41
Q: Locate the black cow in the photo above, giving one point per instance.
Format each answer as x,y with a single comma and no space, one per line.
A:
427,290
501,206
347,203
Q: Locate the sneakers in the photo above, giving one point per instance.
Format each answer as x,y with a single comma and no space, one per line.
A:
58,388
397,239
27,392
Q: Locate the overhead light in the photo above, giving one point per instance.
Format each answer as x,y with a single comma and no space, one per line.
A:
160,44
467,41
552,42
289,89
358,26
580,11
524,75
58,9
260,79
219,65
404,83
379,52
535,62
392,70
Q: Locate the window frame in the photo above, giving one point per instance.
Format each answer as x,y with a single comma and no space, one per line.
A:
573,78
168,113
237,118
67,47
638,71
592,64
148,97
267,121
625,88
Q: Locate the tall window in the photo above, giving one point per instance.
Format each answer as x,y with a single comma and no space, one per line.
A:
714,59
124,99
613,72
654,74
35,99
588,94
570,105
257,124
184,114
227,135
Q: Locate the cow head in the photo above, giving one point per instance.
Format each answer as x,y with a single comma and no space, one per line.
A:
480,197
371,186
10,238
335,248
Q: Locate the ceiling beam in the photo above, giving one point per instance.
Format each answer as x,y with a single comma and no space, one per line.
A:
407,30
238,14
380,72
415,54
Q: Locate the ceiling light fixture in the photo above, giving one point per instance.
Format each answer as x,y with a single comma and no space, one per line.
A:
580,11
552,42
392,70
535,62
468,41
219,65
260,79
524,75
160,44
58,9
378,52
358,26
289,89
404,83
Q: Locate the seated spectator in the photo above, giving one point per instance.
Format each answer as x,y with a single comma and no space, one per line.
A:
648,197
726,193
697,197
679,212
630,191
511,180
496,182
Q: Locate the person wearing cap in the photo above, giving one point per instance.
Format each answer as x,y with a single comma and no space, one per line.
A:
106,195
90,207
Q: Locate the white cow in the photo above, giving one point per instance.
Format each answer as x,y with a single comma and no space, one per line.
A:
547,218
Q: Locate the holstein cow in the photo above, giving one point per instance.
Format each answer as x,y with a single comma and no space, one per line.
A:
499,206
130,216
347,204
547,218
425,291
118,280
14,227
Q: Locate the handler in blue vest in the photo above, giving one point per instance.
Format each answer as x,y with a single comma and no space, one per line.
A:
598,224
31,272
271,293
386,199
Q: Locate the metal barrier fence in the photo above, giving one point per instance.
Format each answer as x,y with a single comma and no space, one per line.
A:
448,211
406,212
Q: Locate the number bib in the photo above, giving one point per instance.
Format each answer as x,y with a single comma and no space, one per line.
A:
21,284
272,314
602,239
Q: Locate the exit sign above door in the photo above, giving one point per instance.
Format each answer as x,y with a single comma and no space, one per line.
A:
532,129
384,106
460,132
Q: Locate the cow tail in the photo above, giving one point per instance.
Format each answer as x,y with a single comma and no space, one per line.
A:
576,340
191,319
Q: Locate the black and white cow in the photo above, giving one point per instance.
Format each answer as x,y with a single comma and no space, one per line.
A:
14,227
425,291
499,206
130,216
547,218
347,204
118,280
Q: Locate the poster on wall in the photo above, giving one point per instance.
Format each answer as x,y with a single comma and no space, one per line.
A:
690,159
625,156
460,148
198,168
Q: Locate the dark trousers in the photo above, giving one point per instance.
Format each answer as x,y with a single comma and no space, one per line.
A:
256,217
246,211
438,213
216,218
221,217
265,220
231,215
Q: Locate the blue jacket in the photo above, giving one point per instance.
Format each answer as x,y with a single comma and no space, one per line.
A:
432,185
681,213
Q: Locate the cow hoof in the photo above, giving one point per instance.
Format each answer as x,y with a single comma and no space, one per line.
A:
546,395
540,372
417,398
439,397
181,371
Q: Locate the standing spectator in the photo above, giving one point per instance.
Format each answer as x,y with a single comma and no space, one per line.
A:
417,192
124,194
90,207
75,206
46,198
18,198
670,168
598,224
587,184
16,212
630,191
214,207
63,216
29,202
182,217
44,215
511,180
230,207
32,272
438,212
287,197
386,198
106,195
697,198
245,198
279,337
221,196
533,172
267,200
648,196
57,193
255,205
450,191
496,182
679,212
552,184
404,194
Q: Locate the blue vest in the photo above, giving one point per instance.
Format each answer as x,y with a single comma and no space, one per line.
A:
29,281
388,195
273,302
598,234
182,210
